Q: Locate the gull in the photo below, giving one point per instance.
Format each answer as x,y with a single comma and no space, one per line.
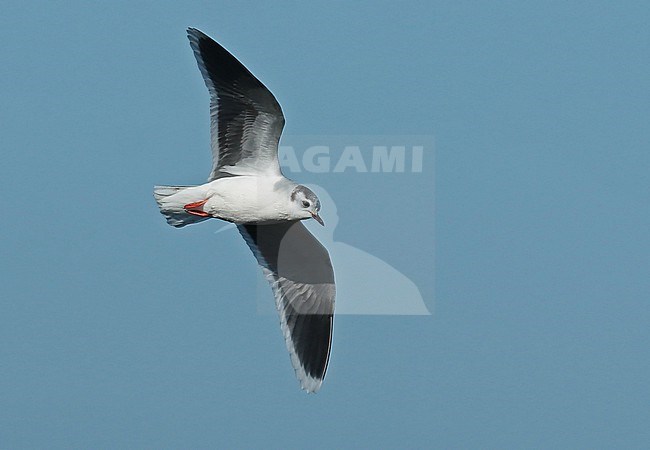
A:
247,188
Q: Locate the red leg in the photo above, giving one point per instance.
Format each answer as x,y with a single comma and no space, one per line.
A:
197,213
192,208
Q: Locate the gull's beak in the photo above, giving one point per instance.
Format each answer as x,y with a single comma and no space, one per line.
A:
317,218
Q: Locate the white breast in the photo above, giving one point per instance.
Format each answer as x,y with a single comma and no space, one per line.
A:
243,199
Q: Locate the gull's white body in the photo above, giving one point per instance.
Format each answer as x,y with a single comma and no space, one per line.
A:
239,199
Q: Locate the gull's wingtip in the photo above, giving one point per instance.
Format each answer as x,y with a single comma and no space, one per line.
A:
308,383
195,33
311,387
194,36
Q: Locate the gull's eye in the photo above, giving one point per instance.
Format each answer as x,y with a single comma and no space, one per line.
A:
306,204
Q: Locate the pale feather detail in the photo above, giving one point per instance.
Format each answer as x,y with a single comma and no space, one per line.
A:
172,199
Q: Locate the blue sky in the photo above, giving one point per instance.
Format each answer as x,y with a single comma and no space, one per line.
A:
527,232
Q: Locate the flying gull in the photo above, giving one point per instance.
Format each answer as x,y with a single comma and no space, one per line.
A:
246,187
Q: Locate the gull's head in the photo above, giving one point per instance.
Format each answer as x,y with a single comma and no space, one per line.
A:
305,204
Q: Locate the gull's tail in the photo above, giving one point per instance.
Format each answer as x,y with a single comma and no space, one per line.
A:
171,200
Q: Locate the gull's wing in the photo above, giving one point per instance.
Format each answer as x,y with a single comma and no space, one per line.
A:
300,272
245,118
